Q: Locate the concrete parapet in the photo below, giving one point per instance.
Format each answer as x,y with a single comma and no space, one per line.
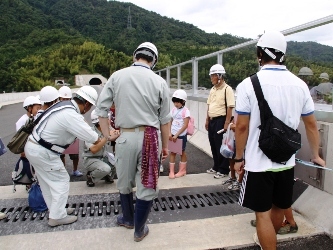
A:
12,98
316,206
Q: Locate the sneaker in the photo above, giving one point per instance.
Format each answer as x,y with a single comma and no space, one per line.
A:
234,186
287,228
161,169
211,171
229,181
90,182
108,179
218,175
77,173
64,221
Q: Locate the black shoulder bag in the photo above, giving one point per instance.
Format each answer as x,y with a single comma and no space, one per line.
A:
278,141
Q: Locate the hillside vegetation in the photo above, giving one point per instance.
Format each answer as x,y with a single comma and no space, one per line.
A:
45,39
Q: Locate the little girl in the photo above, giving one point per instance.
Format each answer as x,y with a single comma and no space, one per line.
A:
179,122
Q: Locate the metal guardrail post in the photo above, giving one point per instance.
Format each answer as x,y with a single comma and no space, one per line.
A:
220,58
179,77
168,76
195,76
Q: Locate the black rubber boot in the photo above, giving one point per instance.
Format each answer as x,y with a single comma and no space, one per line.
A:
142,209
127,218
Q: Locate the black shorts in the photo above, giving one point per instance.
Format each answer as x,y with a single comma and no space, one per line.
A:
71,156
262,189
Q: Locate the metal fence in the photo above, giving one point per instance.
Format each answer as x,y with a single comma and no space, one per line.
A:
219,54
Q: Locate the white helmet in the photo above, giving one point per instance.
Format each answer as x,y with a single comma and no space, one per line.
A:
148,49
180,94
305,71
88,93
65,92
274,40
217,69
31,100
48,94
324,76
94,117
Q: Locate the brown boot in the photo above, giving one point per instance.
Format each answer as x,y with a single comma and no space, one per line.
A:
182,170
172,170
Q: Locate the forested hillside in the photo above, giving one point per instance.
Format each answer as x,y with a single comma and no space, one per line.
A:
41,40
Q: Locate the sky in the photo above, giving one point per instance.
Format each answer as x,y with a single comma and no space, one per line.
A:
248,18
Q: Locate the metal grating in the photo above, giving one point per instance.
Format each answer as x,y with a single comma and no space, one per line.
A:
100,210
112,207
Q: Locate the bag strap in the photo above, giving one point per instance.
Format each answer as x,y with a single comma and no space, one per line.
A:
265,110
225,100
177,112
184,112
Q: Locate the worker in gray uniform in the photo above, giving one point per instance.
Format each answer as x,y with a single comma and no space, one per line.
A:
95,159
142,103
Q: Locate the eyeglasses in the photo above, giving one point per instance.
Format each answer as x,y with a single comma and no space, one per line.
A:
213,75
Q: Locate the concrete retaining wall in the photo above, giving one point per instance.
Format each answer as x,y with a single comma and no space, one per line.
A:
11,98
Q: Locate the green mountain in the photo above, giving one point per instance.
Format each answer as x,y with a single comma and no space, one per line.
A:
41,40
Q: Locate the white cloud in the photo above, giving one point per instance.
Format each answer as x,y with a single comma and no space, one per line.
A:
247,18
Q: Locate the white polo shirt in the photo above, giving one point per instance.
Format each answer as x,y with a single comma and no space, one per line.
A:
288,97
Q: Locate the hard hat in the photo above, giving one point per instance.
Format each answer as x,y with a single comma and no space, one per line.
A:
180,94
148,49
48,94
65,92
305,71
94,117
274,40
324,76
31,100
88,93
217,69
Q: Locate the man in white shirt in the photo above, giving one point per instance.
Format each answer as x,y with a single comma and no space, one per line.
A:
49,139
268,186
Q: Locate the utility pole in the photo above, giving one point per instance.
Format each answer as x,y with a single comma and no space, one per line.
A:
129,19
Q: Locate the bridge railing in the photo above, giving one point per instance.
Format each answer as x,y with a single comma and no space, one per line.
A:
219,54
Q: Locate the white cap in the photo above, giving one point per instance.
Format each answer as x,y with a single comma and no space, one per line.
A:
274,40
324,76
149,49
65,92
31,100
88,93
48,94
180,94
217,69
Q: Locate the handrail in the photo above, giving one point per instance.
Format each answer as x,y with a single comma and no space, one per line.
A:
296,29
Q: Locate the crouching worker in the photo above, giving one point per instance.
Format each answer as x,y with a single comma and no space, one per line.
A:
95,160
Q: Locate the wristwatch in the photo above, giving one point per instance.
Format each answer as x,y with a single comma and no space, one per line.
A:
239,160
